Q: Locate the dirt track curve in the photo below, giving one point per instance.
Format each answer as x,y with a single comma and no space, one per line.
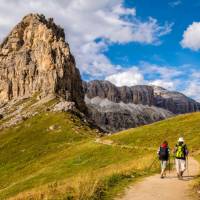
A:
170,188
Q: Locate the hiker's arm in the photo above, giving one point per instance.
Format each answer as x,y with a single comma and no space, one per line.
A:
158,152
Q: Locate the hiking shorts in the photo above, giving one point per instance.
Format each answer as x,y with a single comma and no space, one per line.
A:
180,165
163,164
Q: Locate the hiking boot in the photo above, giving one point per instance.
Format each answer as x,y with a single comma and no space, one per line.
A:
181,174
162,175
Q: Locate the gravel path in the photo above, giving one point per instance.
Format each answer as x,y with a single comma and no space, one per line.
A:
170,188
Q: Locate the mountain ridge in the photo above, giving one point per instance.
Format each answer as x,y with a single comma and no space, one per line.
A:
128,107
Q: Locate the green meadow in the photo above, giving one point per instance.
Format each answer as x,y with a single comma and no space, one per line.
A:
58,156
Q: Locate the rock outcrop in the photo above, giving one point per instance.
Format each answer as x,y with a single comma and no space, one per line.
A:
117,108
35,59
175,102
113,117
104,89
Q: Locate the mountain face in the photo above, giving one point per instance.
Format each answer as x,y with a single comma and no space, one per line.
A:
35,59
112,117
174,101
117,108
104,89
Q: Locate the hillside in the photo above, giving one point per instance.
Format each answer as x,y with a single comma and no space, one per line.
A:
56,155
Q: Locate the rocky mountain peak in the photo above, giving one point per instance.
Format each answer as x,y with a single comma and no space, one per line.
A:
35,58
32,26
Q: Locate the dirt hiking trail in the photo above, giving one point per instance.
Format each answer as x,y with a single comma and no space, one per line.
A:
170,188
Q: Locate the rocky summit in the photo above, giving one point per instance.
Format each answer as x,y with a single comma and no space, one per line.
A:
35,59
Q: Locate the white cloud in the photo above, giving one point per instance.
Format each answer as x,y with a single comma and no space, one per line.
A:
127,78
170,85
196,75
183,79
175,3
148,74
149,32
164,72
85,21
193,90
191,37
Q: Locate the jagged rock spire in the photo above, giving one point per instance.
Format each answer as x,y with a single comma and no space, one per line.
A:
35,58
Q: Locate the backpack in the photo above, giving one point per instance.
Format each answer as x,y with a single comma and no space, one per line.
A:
180,151
164,153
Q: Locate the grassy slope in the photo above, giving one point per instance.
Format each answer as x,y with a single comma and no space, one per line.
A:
67,162
187,126
30,153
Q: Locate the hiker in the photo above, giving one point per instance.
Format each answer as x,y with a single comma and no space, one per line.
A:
180,153
163,154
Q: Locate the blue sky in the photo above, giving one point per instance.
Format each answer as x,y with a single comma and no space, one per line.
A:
128,42
169,53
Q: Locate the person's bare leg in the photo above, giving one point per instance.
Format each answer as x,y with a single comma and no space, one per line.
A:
162,174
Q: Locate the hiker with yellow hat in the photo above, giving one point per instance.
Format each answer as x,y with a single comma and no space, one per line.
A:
180,153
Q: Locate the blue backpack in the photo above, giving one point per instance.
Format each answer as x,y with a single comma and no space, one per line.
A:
164,153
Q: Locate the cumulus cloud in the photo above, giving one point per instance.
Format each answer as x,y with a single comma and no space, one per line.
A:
168,84
185,78
164,72
193,90
191,37
91,26
149,74
127,78
193,86
149,32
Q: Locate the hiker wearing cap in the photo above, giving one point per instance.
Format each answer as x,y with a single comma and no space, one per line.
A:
163,154
181,153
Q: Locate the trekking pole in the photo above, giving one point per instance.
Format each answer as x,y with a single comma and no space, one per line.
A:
152,164
174,162
174,167
187,165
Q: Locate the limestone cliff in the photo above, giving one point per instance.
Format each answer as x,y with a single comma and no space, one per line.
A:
35,59
173,101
